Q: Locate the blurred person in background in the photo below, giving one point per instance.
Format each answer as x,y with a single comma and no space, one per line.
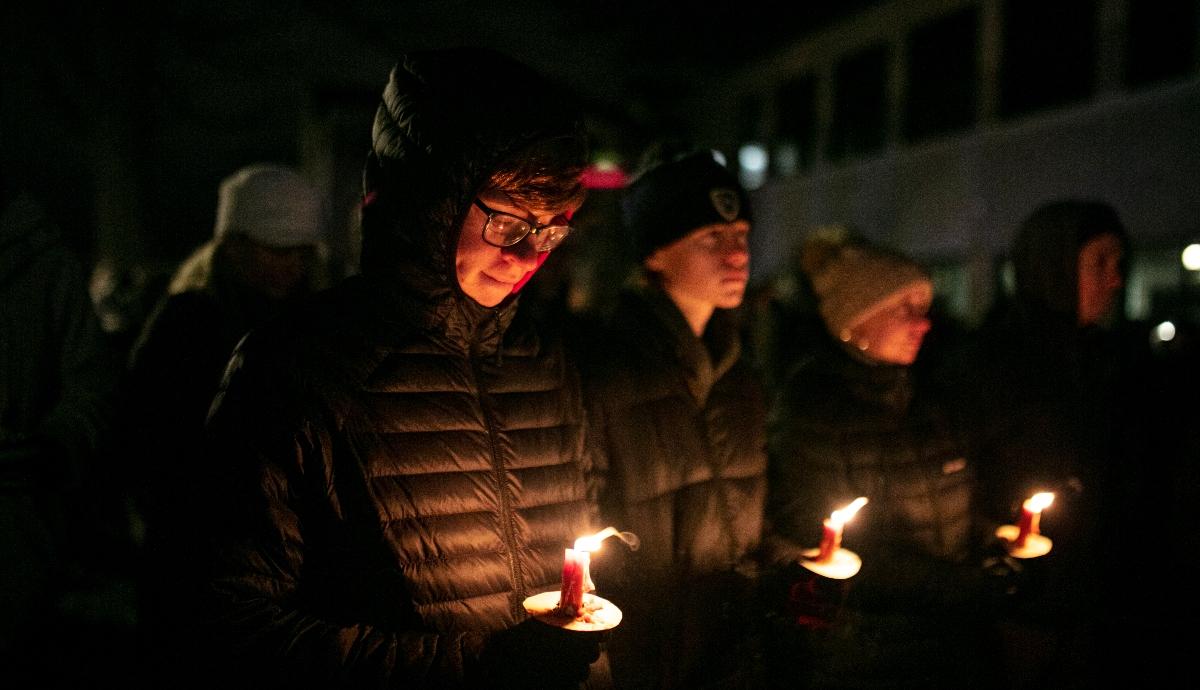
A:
264,256
1057,391
56,415
851,421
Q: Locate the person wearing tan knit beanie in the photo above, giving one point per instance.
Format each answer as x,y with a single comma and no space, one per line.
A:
851,421
870,298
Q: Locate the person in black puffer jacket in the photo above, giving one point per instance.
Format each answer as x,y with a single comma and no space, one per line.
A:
849,423
397,466
681,430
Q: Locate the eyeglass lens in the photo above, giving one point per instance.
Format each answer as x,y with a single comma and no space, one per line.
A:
505,231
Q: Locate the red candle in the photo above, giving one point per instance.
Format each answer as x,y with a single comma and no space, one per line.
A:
831,541
576,571
1031,514
831,537
576,579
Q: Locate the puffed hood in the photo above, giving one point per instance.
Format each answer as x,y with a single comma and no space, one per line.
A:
1046,252
447,120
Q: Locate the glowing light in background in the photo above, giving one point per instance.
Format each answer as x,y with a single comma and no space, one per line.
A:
1191,257
753,160
605,173
787,159
1164,332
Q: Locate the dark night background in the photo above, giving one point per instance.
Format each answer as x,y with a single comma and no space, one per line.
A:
125,118
122,119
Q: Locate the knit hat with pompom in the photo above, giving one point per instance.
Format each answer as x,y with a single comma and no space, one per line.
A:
854,280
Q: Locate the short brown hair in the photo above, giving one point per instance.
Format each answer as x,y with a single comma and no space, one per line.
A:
547,172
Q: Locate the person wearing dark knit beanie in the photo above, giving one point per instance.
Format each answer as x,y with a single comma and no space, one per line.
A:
682,430
683,210
677,196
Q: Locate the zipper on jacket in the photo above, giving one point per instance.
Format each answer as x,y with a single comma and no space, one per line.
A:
506,517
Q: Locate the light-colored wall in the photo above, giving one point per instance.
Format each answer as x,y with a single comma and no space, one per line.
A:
958,199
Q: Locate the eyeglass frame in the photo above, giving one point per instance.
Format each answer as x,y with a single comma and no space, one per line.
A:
534,230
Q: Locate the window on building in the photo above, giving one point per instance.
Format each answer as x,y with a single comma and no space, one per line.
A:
1161,40
859,104
1049,54
796,125
942,67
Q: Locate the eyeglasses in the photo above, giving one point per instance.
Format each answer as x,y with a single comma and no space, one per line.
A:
504,230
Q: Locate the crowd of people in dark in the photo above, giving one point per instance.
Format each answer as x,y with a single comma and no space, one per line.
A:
287,480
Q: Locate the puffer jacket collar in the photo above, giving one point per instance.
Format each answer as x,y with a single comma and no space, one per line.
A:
457,322
703,361
889,387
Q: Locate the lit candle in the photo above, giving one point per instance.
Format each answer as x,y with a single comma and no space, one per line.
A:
1031,514
576,570
831,539
576,579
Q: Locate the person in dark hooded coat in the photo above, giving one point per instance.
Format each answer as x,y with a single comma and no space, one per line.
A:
56,400
401,462
1055,394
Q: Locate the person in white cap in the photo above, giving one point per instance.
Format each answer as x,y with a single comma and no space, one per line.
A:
263,256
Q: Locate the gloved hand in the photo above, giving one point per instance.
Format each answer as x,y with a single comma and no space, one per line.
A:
1002,577
536,655
813,601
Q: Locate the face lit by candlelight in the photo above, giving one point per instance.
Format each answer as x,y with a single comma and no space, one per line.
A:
1100,277
894,335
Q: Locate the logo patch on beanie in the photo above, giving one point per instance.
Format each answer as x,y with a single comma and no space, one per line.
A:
726,202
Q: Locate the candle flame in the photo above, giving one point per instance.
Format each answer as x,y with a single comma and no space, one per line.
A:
1039,502
592,542
842,515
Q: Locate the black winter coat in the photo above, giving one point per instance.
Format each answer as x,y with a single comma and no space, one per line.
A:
681,428
404,486
1055,406
842,429
397,466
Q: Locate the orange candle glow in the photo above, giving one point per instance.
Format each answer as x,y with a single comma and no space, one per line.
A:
1031,513
831,539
